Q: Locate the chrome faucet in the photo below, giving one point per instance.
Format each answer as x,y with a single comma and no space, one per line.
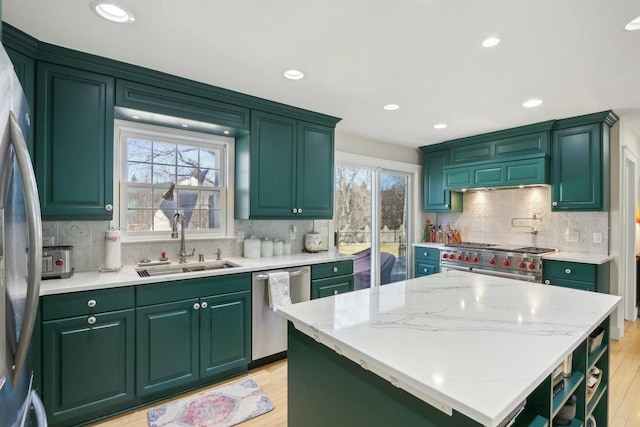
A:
182,255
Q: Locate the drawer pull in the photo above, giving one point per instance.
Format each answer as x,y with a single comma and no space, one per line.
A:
336,292
335,269
547,282
91,303
204,304
196,306
91,320
568,271
426,270
426,254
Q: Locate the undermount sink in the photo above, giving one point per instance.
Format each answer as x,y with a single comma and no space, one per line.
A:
183,268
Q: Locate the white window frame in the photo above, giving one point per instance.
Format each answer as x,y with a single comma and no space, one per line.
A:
178,136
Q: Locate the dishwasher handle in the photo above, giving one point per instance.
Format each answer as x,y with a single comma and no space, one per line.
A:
291,274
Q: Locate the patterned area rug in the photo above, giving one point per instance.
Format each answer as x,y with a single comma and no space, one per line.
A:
223,407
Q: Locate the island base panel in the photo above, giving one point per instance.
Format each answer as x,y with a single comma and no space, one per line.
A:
326,389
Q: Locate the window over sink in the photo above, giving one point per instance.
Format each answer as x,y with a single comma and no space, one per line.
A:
163,171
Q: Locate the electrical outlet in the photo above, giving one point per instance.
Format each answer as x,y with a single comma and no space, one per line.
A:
597,237
573,237
240,236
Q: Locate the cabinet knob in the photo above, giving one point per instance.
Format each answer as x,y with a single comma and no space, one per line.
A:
547,282
300,210
204,304
335,269
426,270
91,320
446,205
91,303
109,207
335,292
426,254
554,204
568,271
196,306
295,210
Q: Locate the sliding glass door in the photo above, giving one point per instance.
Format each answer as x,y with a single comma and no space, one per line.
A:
372,217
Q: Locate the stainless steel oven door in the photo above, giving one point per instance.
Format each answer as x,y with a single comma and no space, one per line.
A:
527,278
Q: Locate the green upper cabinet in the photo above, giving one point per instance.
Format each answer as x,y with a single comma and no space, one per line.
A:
74,143
436,198
580,163
25,68
284,169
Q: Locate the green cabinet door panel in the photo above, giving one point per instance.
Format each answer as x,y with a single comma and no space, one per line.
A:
88,368
498,174
225,333
74,143
166,346
273,173
578,168
25,68
321,288
488,176
436,198
315,184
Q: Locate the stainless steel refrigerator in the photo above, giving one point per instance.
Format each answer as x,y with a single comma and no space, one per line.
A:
20,254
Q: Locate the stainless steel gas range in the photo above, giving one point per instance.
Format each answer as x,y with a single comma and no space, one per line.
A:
523,263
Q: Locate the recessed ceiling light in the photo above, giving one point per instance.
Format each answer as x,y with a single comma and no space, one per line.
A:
134,117
532,103
440,126
112,12
490,42
633,25
391,107
294,74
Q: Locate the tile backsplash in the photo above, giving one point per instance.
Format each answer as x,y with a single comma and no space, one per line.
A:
87,239
488,217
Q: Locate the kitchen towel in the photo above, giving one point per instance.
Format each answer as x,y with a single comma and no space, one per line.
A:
112,250
279,295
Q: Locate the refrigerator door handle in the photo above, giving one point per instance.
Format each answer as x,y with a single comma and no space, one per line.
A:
34,227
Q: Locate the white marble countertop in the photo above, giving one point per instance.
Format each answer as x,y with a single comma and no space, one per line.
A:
578,257
474,343
128,276
428,245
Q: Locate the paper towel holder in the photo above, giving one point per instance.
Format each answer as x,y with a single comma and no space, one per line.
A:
115,239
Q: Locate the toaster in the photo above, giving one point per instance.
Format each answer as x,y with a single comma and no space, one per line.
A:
56,262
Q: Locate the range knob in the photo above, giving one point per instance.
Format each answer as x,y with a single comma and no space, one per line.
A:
459,257
445,256
522,265
475,259
466,258
532,266
492,261
506,263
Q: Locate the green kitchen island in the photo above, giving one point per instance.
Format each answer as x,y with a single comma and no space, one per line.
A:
450,349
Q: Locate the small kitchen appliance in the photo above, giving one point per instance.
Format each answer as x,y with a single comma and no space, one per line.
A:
56,262
516,262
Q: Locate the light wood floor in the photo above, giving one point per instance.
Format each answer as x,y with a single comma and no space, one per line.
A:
624,392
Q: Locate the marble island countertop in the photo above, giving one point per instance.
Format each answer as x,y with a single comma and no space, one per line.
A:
473,343
127,276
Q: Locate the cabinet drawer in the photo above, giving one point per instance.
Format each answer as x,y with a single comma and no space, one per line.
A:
332,286
158,293
89,302
585,286
431,254
424,269
331,269
573,271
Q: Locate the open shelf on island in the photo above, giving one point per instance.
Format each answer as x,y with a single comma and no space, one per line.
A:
596,355
570,386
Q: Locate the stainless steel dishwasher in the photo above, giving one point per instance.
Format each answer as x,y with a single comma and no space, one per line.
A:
269,329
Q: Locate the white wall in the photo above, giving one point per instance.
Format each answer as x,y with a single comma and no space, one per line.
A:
348,143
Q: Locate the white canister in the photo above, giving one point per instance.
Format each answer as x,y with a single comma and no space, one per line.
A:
252,247
266,247
286,248
277,247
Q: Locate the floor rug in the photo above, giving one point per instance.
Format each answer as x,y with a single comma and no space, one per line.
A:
223,407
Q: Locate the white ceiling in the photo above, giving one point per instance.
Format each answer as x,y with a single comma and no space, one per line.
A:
359,55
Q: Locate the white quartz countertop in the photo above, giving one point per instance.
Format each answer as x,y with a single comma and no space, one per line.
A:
128,275
578,257
428,245
474,343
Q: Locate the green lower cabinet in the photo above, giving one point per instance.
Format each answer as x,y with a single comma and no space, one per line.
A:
333,286
426,261
576,275
166,346
225,333
88,366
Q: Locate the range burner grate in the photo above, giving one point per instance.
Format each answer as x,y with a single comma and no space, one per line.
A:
533,250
